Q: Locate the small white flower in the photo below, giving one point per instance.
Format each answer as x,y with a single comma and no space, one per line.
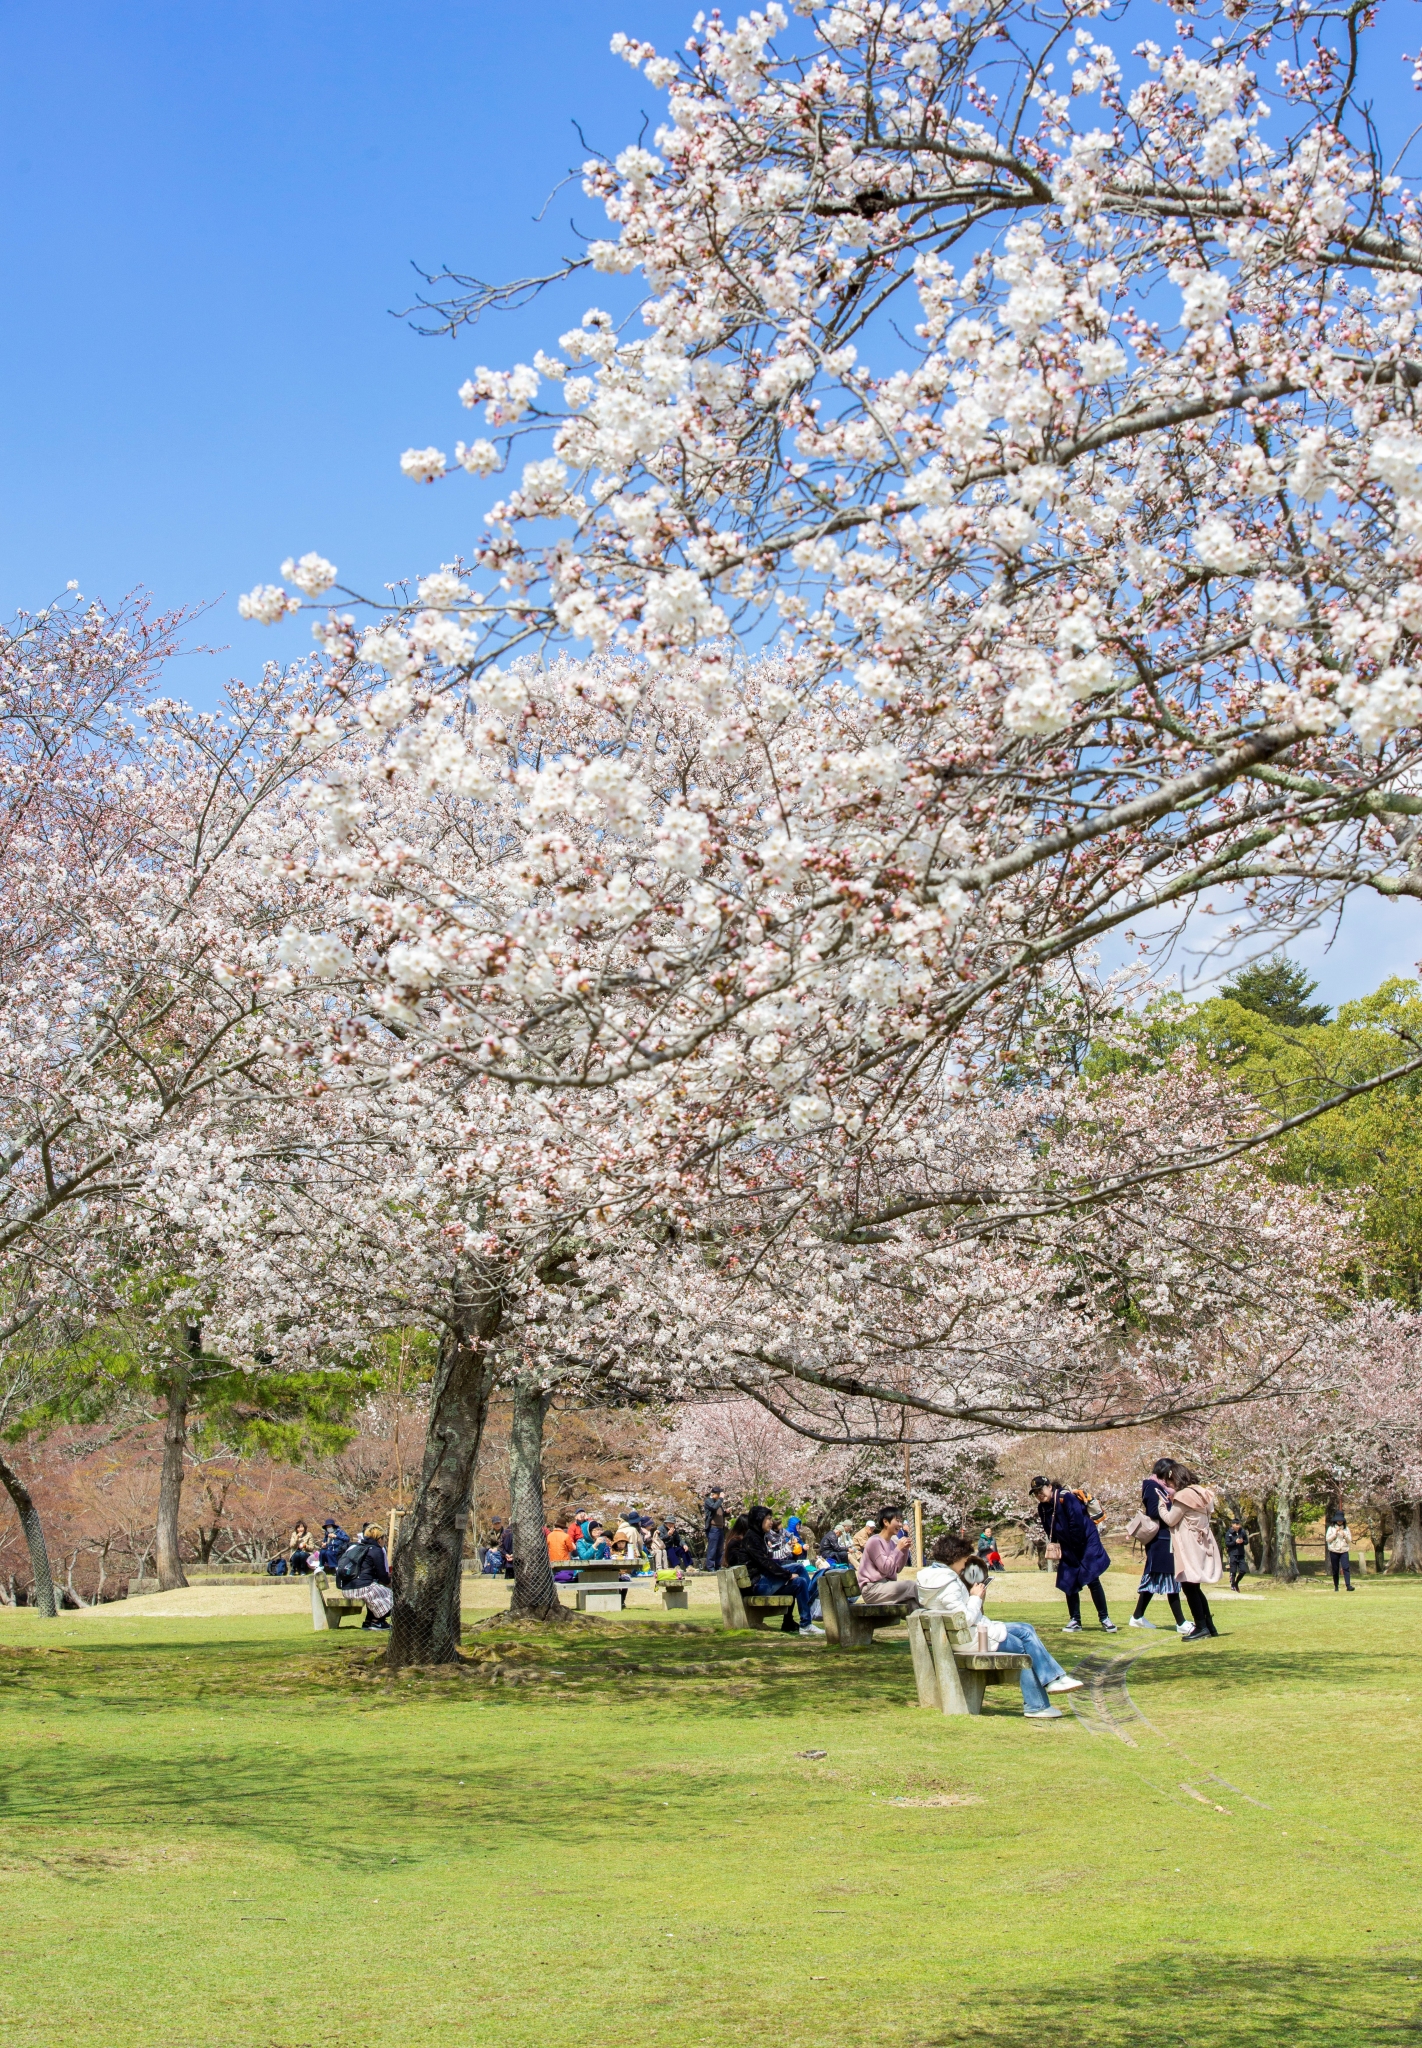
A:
480,458
1098,361
312,573
423,465
1276,604
1012,528
1219,547
1205,296
267,603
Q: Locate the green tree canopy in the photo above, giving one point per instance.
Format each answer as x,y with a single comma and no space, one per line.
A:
1369,1149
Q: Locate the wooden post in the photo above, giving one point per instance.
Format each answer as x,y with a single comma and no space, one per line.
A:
918,1535
397,1515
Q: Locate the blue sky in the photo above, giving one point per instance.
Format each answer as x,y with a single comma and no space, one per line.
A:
209,208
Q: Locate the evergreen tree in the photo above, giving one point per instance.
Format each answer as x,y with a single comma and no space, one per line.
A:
1278,989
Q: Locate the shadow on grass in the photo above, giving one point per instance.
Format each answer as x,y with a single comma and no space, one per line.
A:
1221,1668
1180,2000
427,1808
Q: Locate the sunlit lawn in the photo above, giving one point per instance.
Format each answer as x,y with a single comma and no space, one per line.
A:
232,1831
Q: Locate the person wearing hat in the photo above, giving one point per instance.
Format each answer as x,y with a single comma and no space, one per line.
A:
334,1544
1081,1555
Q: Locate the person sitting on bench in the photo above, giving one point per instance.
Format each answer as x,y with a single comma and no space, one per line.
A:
769,1575
942,1590
885,1555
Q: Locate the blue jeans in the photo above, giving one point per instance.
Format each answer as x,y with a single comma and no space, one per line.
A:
1022,1637
715,1544
796,1582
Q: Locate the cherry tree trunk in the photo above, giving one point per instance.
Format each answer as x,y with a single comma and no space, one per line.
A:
1406,1537
1265,1565
429,1551
1286,1557
170,1486
34,1537
534,1590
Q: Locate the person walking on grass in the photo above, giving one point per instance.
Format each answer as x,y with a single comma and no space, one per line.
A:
944,1589
1338,1541
1158,1575
1237,1551
1187,1512
1074,1544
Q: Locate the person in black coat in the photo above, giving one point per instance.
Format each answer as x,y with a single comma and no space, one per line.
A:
1158,1575
1083,1554
365,1575
770,1575
1237,1551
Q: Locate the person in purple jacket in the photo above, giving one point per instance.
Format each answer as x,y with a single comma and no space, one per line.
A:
1083,1555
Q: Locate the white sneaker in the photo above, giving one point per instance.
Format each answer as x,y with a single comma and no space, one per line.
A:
1042,1714
1183,1628
1139,1621
1071,1628
810,1629
1065,1685
1109,1628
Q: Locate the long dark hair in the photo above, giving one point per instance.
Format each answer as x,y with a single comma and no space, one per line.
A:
1179,1475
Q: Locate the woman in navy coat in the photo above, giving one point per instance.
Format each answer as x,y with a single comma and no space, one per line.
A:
1159,1573
1083,1557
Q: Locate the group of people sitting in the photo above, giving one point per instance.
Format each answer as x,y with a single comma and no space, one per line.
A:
953,1582
358,1564
636,1541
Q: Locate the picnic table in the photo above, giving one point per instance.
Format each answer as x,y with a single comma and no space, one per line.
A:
600,1583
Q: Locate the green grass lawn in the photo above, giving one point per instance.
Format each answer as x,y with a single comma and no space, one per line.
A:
230,1833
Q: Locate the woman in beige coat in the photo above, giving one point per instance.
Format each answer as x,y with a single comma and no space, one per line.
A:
1197,1553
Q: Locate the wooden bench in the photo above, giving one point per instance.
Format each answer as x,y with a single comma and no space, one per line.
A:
950,1674
329,1603
851,1622
740,1608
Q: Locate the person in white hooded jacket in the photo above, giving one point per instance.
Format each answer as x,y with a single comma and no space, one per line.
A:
943,1590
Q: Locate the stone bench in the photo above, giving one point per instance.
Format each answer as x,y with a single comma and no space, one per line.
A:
329,1604
951,1675
673,1590
740,1608
850,1621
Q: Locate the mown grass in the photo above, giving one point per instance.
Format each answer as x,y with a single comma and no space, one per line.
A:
235,1832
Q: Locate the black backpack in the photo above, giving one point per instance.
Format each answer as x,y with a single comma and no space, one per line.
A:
350,1564
277,1568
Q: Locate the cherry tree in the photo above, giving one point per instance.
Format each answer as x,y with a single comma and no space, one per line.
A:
131,914
1061,428
1351,1424
977,1271
504,1222
1002,531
